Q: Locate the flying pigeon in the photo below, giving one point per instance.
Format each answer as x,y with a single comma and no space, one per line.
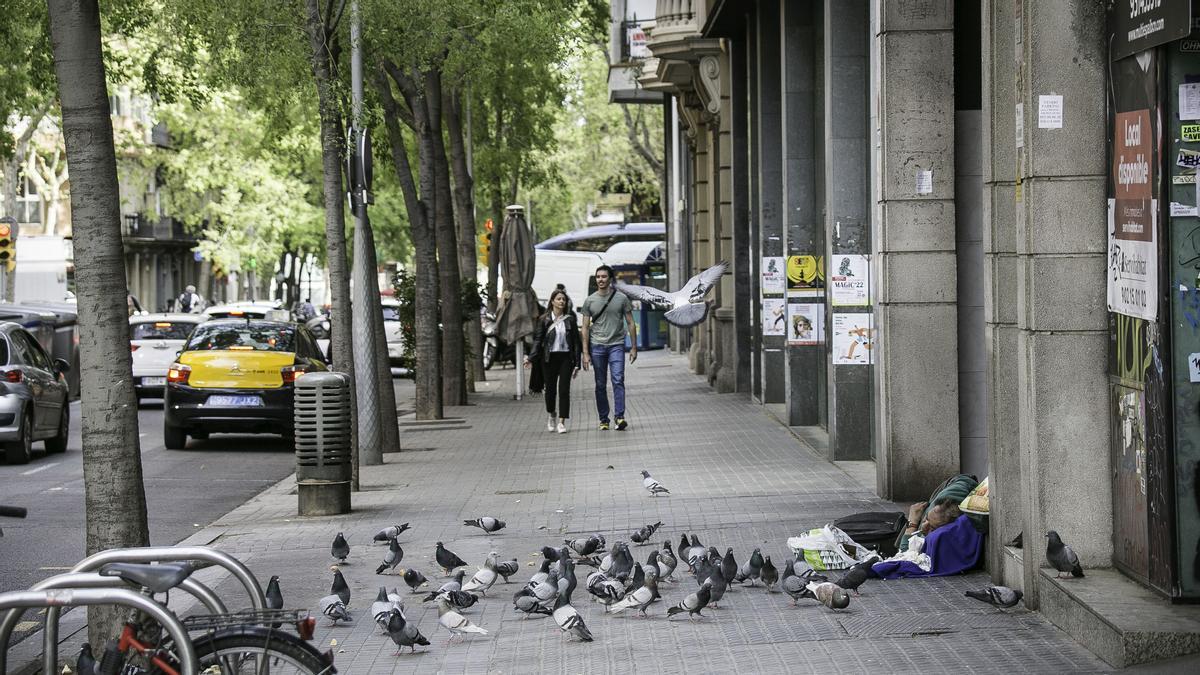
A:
768,574
685,307
447,559
390,532
1061,557
856,576
333,607
456,623
340,548
693,603
486,523
339,587
1000,596
585,546
485,577
569,620
392,558
642,536
652,486
414,579
403,633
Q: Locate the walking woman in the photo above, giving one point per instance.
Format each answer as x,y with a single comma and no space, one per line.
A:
557,348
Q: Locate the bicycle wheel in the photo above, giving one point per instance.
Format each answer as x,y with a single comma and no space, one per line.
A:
255,649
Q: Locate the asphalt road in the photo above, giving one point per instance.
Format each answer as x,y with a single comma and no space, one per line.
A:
185,491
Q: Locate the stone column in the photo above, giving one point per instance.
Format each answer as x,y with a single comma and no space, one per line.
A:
723,350
770,183
805,370
744,261
1062,319
701,241
847,198
916,330
754,183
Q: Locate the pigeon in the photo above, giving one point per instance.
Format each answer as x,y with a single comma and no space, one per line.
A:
768,574
704,569
507,568
636,579
729,566
792,584
667,562
413,579
827,593
461,599
390,532
685,307
545,591
717,585
403,633
693,550
583,547
526,603
564,560
566,576
485,577
454,584
551,554
447,560
392,558
456,623
486,523
642,536
333,607
751,569
640,597
339,587
273,595
568,618
542,574
622,565
85,663
1061,557
856,576
652,486
1000,596
340,548
693,603
382,608
605,589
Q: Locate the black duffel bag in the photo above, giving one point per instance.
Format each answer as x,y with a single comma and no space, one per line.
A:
876,530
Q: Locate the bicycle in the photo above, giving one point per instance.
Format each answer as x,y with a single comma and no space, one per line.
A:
249,641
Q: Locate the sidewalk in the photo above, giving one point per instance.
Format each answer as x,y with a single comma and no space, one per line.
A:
737,478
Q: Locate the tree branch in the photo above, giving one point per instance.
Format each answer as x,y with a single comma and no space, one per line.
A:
643,149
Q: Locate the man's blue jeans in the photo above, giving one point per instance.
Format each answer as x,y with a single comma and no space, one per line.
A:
604,359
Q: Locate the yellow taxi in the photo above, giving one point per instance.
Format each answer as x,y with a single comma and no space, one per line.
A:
236,375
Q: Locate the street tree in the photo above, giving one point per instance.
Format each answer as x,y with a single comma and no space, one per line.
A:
114,495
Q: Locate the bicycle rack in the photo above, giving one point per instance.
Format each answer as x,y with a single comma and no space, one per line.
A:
145,554
75,597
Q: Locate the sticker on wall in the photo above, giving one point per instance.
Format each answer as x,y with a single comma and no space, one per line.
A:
806,276
1182,210
1188,159
1019,129
1194,367
853,337
774,316
806,323
1185,179
848,280
1189,101
1050,111
924,181
1190,133
774,275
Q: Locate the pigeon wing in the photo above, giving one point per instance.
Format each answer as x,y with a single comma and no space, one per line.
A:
687,315
704,281
647,294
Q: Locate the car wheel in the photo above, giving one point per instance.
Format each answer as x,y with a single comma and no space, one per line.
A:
19,451
59,442
174,437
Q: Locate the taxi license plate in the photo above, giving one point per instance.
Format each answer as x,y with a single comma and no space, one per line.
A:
153,381
235,401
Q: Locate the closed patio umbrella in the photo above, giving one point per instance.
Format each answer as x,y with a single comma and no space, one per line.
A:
518,303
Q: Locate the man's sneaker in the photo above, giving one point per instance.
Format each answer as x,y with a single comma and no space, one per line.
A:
622,425
604,426
550,423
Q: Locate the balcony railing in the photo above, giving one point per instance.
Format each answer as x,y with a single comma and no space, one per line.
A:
670,13
136,225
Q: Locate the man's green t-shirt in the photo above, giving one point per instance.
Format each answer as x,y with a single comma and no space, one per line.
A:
608,327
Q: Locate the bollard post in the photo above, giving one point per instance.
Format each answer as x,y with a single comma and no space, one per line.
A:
322,417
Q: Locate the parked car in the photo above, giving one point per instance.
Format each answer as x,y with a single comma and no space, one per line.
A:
250,309
392,333
65,342
34,396
237,375
155,340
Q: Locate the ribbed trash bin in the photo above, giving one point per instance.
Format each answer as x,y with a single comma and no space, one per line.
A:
322,416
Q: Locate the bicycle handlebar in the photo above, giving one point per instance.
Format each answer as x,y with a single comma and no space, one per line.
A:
13,511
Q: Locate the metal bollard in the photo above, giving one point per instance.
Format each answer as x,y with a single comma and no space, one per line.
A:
322,415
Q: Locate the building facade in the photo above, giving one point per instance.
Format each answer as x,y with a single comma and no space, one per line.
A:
949,252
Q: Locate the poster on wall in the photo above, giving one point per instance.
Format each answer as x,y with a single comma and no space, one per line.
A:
848,279
853,338
774,275
806,323
1133,219
774,316
806,276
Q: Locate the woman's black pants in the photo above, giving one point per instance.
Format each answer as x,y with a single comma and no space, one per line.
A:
558,383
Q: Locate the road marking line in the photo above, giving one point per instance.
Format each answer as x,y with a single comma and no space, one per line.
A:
54,569
40,468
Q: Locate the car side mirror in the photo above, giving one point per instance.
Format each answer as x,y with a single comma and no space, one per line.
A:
61,366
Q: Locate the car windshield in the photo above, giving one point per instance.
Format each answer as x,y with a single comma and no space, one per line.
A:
248,337
161,330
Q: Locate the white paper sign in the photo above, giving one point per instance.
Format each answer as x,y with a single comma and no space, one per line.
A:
924,182
774,275
806,323
774,316
853,337
1050,111
848,279
1189,101
1133,259
1019,130
1182,210
1193,367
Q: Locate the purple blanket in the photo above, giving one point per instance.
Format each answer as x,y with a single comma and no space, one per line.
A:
952,548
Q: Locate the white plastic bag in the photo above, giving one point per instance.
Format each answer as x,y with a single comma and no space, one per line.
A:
828,548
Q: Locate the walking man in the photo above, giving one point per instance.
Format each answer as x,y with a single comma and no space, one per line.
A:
606,313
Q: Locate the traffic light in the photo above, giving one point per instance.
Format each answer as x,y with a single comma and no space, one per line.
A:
8,242
485,242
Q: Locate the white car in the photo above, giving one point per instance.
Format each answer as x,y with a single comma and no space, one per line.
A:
155,340
249,309
392,332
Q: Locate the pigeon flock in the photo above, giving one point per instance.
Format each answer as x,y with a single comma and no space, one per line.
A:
617,581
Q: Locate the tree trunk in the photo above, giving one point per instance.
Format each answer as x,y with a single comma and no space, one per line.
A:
114,495
454,391
341,327
497,204
420,207
464,200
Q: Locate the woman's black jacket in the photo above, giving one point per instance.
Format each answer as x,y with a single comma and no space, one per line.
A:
542,341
